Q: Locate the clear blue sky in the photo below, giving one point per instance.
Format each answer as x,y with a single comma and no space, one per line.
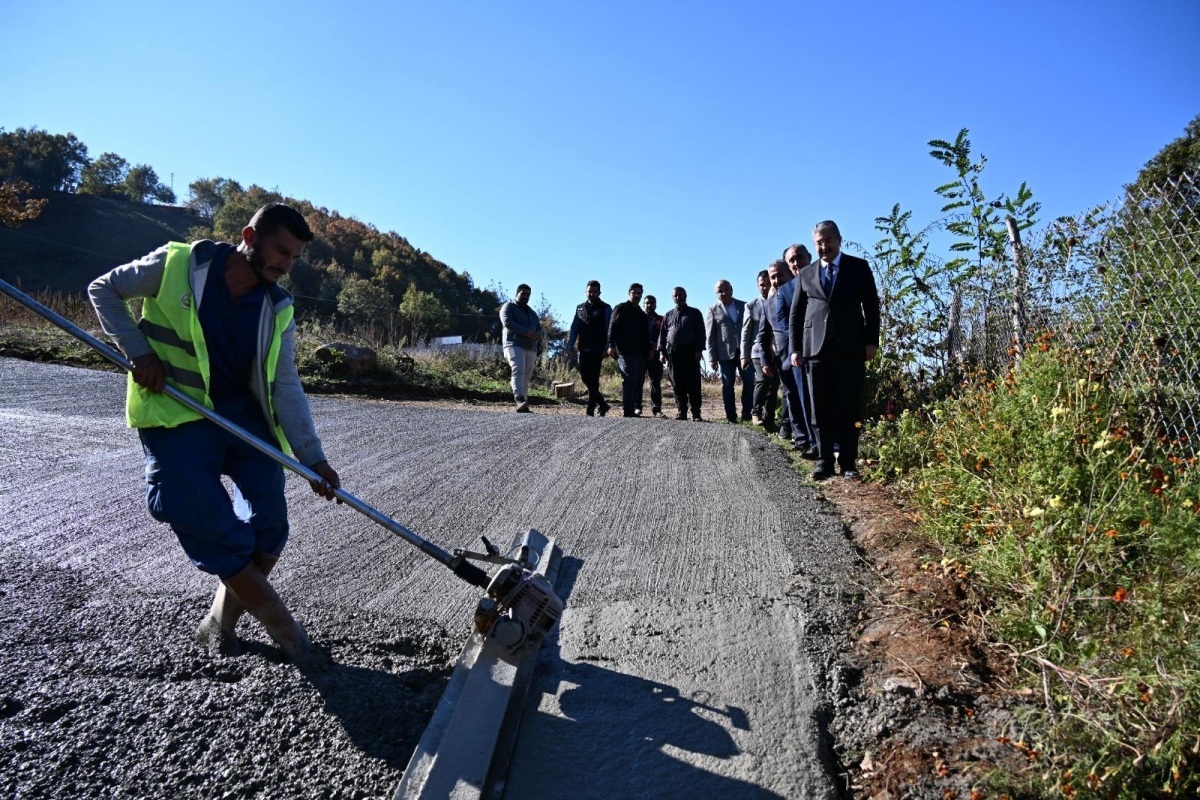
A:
664,142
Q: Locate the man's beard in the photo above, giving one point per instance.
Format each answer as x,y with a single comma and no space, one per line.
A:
257,263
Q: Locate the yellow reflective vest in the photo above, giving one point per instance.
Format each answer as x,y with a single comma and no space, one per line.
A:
171,322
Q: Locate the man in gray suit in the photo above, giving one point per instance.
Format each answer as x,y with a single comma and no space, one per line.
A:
723,329
835,331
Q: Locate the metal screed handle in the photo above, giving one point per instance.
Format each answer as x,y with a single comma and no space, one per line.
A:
463,569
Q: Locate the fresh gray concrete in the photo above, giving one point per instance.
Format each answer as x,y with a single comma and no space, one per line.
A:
702,580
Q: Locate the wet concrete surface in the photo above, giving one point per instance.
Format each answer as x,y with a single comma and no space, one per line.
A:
703,585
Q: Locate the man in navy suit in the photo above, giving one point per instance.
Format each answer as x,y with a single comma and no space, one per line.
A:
797,258
835,331
774,339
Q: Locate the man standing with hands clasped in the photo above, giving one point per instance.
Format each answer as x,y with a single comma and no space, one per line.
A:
681,342
723,327
589,330
522,330
629,344
654,367
835,330
217,327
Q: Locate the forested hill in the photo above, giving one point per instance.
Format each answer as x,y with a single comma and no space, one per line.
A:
351,270
72,217
80,236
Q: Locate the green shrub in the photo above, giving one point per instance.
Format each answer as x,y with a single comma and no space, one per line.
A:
1074,525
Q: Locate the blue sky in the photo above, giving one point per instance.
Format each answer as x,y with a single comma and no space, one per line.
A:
669,143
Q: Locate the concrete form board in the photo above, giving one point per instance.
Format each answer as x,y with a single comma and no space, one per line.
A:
465,749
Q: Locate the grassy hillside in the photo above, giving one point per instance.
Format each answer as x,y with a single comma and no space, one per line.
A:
78,237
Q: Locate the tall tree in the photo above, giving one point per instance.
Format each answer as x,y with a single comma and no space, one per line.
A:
105,177
423,315
47,162
209,195
979,223
364,302
1179,158
237,209
141,185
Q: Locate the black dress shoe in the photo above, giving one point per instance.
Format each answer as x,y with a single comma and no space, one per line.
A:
851,474
681,417
822,474
604,407
810,454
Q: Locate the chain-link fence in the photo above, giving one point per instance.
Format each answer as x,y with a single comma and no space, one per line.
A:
1122,280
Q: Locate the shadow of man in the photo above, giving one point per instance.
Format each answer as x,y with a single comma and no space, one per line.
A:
593,732
619,735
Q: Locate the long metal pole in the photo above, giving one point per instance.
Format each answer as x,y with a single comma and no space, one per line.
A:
462,568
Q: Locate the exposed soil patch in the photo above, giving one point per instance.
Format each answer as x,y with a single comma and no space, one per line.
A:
930,702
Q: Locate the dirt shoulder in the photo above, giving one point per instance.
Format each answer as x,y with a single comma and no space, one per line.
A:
931,713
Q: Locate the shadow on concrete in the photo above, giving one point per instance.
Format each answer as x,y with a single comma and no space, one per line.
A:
618,735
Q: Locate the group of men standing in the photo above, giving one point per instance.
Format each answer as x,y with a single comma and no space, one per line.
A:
807,336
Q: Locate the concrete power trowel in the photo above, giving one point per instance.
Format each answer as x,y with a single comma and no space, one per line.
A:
519,607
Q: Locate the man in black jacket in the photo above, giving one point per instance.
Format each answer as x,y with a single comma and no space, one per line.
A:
681,343
835,331
629,344
589,329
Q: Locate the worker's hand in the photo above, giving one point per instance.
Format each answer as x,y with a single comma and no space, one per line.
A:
872,349
768,370
745,363
796,362
148,372
329,480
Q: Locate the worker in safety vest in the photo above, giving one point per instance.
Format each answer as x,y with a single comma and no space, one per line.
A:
217,327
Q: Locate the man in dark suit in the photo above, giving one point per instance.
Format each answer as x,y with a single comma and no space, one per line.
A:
835,331
775,340
681,343
797,258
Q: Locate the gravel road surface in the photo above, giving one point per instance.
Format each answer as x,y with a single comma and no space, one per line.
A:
703,581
